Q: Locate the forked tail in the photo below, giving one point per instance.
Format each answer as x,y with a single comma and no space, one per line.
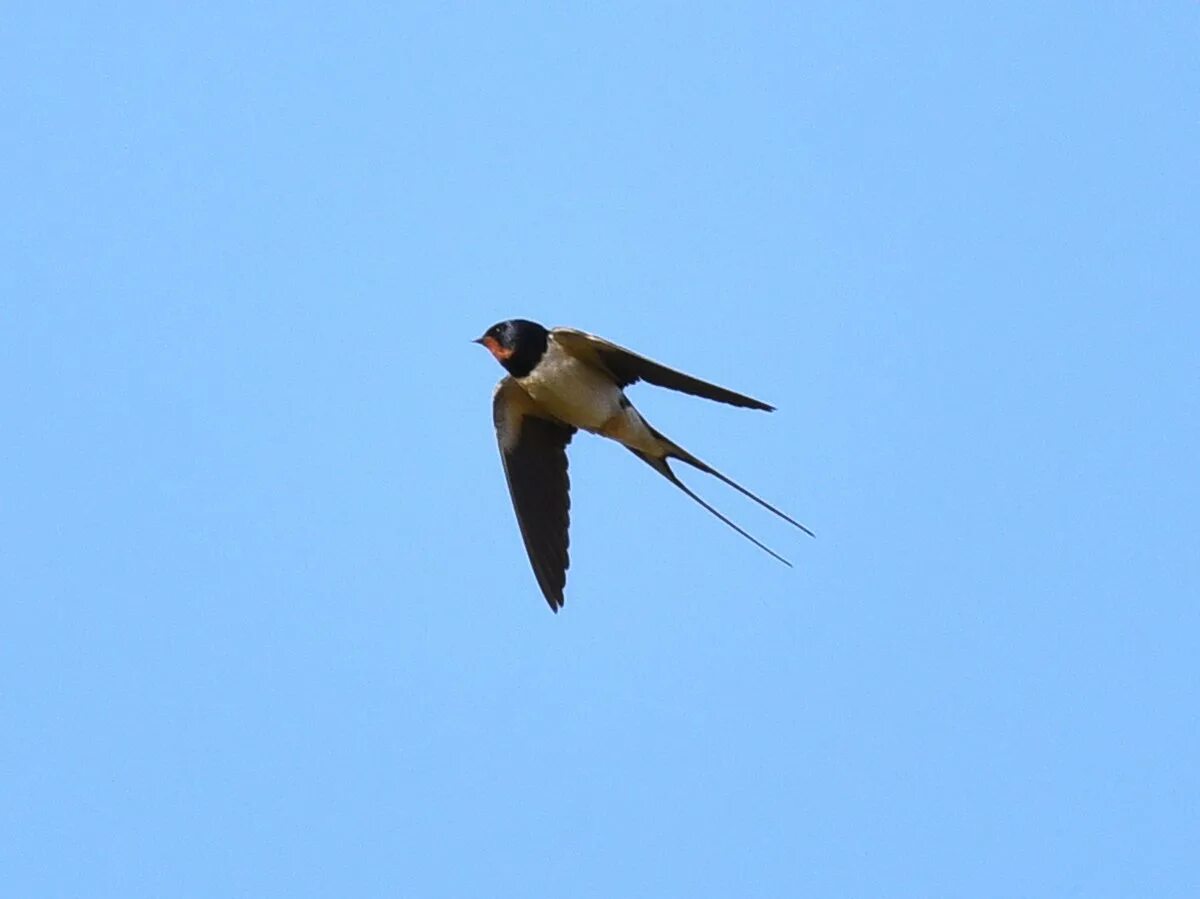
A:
674,451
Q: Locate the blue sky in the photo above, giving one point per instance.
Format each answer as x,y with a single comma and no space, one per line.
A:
268,624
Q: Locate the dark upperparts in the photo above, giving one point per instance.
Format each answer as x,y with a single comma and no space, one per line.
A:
523,342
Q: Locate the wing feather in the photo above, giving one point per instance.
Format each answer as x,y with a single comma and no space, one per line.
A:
627,367
533,449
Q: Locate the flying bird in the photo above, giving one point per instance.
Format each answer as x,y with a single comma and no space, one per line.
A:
560,381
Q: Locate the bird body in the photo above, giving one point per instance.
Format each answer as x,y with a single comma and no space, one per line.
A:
560,381
583,396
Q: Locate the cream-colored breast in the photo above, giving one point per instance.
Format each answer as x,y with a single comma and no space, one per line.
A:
570,390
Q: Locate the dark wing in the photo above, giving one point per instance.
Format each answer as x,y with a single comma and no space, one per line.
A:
534,450
626,367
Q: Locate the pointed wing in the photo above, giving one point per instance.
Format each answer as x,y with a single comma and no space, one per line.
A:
534,451
627,367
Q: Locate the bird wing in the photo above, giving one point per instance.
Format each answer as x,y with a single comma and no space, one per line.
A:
627,367
534,451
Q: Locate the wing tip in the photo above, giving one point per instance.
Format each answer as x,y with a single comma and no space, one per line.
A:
749,402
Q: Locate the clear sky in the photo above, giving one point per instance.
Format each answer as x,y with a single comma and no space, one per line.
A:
268,626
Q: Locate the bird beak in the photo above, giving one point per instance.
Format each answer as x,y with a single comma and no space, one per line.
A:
478,340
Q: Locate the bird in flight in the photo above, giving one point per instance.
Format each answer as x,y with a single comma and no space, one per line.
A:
562,380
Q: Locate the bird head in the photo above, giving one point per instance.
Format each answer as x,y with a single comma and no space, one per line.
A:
517,344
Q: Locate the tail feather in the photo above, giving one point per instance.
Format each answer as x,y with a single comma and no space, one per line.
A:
675,451
683,455
660,465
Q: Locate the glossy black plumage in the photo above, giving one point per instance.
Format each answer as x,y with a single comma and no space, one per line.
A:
627,367
524,340
533,450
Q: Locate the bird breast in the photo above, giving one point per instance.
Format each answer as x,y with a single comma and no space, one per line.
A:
572,391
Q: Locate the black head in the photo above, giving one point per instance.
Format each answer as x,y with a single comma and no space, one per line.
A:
517,344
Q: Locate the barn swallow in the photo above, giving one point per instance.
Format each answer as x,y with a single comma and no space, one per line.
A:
560,381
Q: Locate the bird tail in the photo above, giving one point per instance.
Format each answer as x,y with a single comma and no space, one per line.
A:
672,450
